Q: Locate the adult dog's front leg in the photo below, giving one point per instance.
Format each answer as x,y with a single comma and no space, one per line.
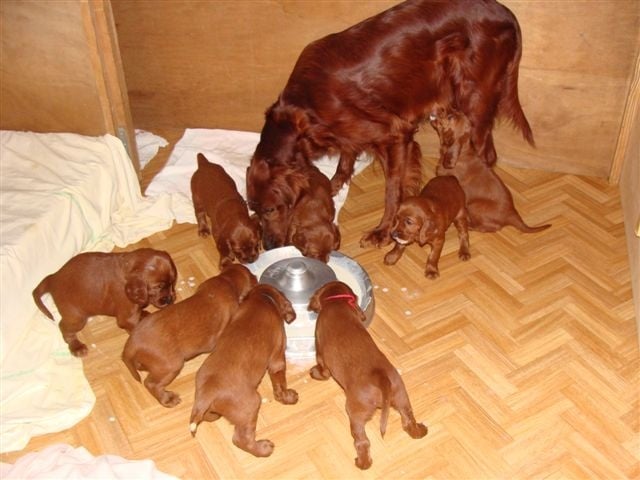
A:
401,164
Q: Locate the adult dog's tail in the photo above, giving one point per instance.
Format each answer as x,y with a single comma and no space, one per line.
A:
385,387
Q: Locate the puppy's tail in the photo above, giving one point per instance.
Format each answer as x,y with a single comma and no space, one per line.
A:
41,289
127,359
385,387
517,222
202,160
200,408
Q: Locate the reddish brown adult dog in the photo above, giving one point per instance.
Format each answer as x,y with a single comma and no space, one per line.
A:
369,88
214,194
311,228
346,352
426,218
120,285
164,340
226,384
489,201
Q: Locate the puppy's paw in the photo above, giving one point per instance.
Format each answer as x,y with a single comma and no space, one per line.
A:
318,373
264,448
432,273
170,399
364,462
78,349
391,258
204,232
464,256
417,430
288,397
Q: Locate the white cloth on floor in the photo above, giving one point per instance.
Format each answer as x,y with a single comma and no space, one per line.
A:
232,150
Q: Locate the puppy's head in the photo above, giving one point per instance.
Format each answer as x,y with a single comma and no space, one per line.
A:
335,291
277,298
409,222
317,242
454,131
150,277
240,277
272,197
244,240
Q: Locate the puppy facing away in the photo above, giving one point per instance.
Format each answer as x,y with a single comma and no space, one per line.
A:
120,285
312,230
346,352
227,382
489,201
164,340
216,199
426,218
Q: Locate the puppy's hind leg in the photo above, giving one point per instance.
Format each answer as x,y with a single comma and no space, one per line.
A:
277,374
70,336
156,382
244,435
400,401
359,414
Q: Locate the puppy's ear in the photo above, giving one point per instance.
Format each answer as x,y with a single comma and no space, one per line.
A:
425,228
286,309
255,222
136,291
314,301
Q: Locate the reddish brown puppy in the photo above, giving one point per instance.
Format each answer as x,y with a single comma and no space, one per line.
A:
346,352
226,384
164,340
312,230
489,201
425,219
120,285
216,199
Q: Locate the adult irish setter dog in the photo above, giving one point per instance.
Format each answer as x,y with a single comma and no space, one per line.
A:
369,88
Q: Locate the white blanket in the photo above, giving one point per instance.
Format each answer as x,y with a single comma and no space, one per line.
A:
65,462
60,194
231,149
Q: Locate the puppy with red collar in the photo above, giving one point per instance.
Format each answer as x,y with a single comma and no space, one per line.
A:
346,352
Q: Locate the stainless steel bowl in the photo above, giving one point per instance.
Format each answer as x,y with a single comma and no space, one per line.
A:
298,277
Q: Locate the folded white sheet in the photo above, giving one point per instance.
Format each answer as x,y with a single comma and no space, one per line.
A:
60,194
233,150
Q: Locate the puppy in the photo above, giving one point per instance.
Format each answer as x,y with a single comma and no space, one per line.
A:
120,285
426,218
227,382
164,340
489,201
346,352
215,197
312,230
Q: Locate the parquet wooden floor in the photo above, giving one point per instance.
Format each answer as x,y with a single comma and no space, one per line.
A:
523,362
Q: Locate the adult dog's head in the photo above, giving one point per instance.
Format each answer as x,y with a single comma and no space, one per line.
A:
272,192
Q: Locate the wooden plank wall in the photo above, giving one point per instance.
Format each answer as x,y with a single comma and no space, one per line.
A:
220,64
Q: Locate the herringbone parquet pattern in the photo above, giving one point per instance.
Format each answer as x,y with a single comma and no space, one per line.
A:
523,361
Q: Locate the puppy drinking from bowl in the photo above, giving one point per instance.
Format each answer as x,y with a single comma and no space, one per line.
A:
227,382
346,352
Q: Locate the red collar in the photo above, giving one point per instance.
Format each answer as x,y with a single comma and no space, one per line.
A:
351,298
